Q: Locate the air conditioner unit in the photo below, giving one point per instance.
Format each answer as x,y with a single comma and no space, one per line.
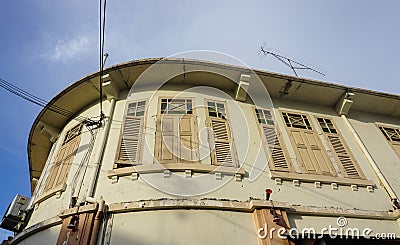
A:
15,213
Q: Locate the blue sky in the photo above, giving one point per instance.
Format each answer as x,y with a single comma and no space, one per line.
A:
46,45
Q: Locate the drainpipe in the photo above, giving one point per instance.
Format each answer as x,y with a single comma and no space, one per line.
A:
100,152
371,161
97,222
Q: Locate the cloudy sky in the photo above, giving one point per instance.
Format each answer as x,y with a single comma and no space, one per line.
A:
46,45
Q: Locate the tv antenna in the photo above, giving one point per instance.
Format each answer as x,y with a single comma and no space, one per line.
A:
293,65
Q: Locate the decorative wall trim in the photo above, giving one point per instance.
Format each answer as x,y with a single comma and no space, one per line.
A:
324,179
179,167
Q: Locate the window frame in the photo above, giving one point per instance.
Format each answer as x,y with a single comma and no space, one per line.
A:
395,145
345,146
158,130
211,139
310,128
65,143
265,144
142,133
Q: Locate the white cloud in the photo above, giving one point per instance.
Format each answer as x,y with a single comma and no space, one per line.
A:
69,49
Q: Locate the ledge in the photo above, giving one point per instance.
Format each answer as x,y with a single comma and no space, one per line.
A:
248,206
50,193
91,208
311,178
178,167
36,228
212,204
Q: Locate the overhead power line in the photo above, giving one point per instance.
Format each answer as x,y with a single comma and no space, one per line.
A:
41,102
102,55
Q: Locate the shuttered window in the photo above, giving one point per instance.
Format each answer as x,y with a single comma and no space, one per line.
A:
393,137
340,150
221,140
64,159
176,135
272,143
311,155
131,135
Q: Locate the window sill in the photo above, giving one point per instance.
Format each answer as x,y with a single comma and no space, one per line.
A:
50,193
175,167
311,178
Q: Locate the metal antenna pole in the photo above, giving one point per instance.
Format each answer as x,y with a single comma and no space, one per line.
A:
293,65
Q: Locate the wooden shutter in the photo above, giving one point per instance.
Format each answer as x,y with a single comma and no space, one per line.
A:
130,140
263,218
177,139
278,160
348,166
311,156
188,138
81,235
64,159
67,161
222,142
167,140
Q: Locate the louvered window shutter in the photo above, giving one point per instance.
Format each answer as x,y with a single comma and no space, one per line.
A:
67,162
129,146
344,158
347,163
278,158
131,136
64,159
222,142
278,161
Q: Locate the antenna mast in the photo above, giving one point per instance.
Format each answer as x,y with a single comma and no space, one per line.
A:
293,65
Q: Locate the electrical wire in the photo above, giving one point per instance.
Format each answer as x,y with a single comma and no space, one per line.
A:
41,102
102,27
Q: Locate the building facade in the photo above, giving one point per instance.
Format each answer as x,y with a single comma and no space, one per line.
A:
189,152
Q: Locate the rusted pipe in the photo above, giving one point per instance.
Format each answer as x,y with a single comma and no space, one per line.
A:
97,222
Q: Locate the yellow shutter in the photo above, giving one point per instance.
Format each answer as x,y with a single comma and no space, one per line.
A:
177,141
64,159
188,138
67,161
222,142
55,169
319,154
310,155
130,141
304,157
274,146
168,139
